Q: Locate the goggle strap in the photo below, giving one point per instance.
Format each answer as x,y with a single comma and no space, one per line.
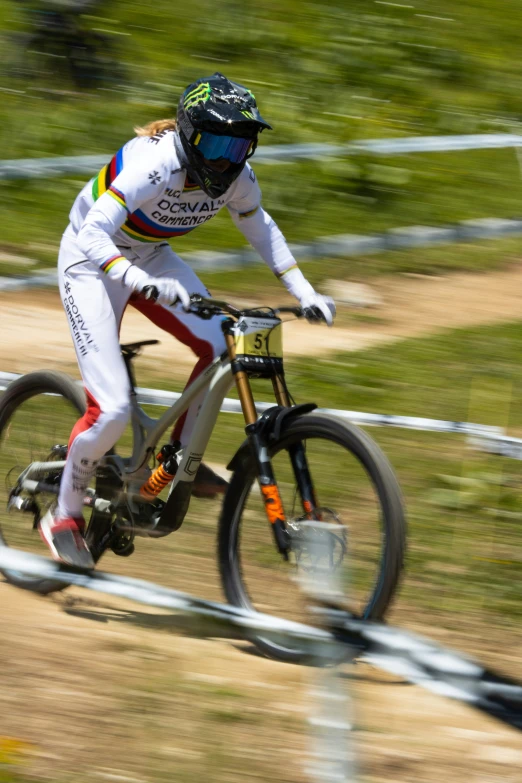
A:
186,125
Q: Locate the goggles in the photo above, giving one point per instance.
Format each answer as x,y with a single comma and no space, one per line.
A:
213,147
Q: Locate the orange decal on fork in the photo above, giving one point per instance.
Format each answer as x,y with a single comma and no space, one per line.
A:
310,509
273,505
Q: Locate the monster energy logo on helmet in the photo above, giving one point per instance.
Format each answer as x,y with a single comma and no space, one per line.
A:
218,120
201,93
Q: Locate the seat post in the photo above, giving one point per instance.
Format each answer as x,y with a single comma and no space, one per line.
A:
129,351
127,358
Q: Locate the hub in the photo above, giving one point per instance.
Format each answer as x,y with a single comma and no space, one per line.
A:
319,545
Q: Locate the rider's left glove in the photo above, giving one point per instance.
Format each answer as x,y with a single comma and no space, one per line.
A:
316,307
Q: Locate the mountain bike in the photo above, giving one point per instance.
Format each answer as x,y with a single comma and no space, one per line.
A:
308,492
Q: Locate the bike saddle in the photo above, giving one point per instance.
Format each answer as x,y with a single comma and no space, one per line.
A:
133,349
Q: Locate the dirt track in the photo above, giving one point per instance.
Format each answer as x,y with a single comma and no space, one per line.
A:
98,684
111,689
35,332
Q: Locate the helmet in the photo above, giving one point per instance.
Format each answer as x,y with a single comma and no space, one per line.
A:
218,120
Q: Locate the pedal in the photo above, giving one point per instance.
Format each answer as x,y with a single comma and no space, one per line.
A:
26,506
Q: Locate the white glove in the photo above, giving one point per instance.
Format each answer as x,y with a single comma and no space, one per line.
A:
164,290
169,292
318,307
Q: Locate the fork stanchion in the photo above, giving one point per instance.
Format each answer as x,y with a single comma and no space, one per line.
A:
243,387
332,758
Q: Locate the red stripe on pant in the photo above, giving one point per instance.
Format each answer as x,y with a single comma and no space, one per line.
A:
89,418
169,323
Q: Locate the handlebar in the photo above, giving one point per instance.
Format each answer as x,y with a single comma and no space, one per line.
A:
207,307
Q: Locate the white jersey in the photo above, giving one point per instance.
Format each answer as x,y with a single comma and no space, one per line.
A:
144,196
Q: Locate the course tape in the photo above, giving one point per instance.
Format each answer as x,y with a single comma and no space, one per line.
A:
439,670
166,399
28,168
502,446
413,657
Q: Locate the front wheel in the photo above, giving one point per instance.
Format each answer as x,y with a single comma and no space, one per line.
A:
355,486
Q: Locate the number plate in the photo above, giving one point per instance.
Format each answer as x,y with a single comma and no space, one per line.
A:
259,337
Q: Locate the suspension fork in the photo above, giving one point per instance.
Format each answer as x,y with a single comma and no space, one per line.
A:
297,456
267,481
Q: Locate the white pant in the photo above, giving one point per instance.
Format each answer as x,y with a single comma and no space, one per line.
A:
94,305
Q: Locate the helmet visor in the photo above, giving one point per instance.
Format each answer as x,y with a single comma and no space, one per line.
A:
214,147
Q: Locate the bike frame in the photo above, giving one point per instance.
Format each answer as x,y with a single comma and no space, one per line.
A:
216,379
147,431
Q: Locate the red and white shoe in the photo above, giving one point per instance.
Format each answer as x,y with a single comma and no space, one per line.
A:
64,537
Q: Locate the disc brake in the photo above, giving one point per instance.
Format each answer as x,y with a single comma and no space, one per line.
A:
318,545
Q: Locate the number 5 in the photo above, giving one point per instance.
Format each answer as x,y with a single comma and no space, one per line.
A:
258,342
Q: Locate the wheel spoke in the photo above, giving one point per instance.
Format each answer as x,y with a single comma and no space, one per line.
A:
32,424
356,536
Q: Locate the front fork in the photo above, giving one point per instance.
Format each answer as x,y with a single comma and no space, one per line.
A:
298,459
272,499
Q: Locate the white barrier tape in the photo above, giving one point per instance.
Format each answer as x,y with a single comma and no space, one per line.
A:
162,597
416,658
43,280
28,168
437,669
166,399
502,446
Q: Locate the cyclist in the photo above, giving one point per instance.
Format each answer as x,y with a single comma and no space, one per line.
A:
173,176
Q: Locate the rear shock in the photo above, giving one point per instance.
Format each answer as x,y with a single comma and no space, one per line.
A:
163,474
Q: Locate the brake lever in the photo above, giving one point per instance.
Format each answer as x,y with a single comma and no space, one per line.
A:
313,315
202,312
150,293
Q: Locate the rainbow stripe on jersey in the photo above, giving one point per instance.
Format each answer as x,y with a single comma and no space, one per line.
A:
102,182
138,225
107,265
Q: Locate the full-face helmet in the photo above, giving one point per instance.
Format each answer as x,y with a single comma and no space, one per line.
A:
218,123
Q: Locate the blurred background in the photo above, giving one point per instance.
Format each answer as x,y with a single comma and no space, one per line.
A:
92,689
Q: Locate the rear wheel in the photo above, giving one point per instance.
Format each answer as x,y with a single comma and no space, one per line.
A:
37,412
356,487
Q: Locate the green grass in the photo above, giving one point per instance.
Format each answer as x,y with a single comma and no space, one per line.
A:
471,374
432,376
330,72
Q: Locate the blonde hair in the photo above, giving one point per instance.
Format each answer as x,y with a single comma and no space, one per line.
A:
156,126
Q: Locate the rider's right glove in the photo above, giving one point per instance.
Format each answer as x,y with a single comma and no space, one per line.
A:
163,290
